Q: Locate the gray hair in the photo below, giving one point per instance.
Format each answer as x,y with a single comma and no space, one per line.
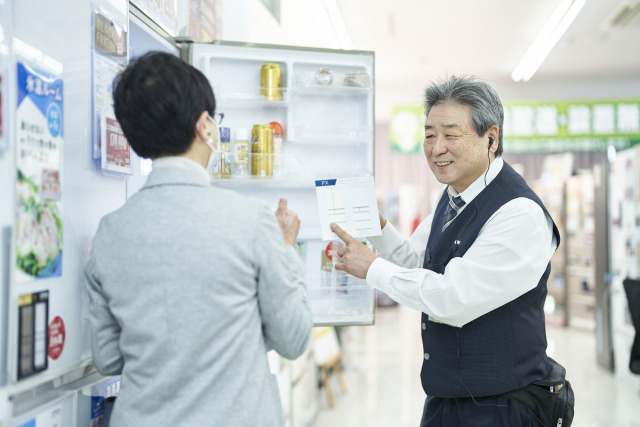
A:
485,104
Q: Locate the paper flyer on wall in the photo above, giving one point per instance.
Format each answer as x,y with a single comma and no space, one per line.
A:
39,138
349,202
116,152
104,71
109,57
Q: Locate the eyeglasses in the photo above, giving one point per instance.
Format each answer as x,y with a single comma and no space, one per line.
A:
219,117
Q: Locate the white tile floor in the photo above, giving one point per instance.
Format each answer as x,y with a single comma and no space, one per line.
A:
382,366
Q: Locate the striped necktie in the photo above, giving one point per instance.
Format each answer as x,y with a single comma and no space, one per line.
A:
453,207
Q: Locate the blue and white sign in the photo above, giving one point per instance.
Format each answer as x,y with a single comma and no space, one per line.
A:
39,135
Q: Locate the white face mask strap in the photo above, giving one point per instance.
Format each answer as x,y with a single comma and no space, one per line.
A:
216,134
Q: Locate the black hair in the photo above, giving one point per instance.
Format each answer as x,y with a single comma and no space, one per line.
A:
157,99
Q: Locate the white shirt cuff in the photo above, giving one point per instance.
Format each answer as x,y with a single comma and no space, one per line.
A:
380,273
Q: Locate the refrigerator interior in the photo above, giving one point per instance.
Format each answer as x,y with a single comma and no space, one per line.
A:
328,133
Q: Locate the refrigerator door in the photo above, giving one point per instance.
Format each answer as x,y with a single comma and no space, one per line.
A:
323,103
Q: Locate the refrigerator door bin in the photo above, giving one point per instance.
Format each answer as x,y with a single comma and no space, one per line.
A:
246,96
331,135
348,84
350,304
332,78
284,168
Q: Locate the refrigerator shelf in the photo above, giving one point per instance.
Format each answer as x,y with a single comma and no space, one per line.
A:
303,181
337,135
230,95
334,83
329,141
319,90
341,305
264,182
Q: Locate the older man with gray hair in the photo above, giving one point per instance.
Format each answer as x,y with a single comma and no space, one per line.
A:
476,267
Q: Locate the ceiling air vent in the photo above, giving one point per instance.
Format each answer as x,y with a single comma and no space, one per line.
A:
626,15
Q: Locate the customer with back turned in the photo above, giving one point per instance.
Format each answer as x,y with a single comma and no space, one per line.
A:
189,284
476,268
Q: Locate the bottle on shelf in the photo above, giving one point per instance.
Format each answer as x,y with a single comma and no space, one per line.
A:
240,147
278,140
225,152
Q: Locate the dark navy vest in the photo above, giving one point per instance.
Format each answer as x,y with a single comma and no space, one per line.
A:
502,350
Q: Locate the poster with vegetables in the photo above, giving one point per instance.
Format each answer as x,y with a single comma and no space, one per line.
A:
39,136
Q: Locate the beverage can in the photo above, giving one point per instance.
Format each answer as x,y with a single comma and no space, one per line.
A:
271,81
261,151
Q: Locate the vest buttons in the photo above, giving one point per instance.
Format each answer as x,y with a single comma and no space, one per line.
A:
426,356
424,326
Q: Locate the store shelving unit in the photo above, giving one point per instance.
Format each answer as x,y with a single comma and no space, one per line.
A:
580,242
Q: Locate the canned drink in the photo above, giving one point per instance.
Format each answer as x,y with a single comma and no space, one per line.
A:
262,151
271,82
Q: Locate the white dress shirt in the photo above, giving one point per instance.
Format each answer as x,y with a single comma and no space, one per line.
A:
506,260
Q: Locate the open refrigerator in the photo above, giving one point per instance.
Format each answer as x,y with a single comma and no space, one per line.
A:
324,104
328,132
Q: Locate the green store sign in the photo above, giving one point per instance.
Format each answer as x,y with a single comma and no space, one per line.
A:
406,129
549,126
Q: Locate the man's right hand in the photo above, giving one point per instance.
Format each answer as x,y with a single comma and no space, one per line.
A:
288,221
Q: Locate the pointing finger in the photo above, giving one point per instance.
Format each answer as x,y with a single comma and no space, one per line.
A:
346,237
282,204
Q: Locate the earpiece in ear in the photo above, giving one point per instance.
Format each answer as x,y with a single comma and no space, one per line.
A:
490,142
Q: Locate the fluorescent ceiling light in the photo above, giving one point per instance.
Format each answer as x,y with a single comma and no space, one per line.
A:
335,17
558,23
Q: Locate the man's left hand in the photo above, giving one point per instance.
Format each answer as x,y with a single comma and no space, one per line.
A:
355,258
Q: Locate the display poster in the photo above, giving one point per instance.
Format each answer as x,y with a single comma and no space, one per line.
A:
39,137
116,152
33,312
51,417
110,38
164,13
97,411
110,55
56,338
204,20
107,388
104,71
